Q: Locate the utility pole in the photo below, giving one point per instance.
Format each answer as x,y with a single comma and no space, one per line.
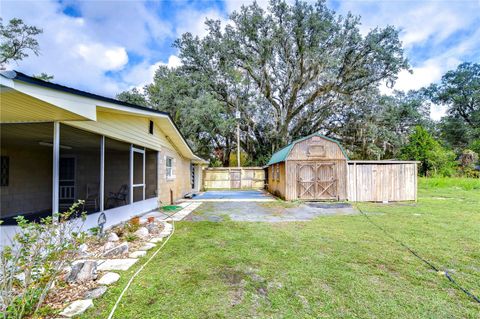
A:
237,116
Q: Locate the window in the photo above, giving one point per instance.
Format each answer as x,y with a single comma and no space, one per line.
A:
5,167
169,167
150,128
278,172
316,150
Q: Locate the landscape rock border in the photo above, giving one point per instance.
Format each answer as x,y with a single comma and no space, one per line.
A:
80,306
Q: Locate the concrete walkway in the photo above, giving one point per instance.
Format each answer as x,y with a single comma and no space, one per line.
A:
187,208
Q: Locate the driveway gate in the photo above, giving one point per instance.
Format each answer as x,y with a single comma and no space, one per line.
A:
233,178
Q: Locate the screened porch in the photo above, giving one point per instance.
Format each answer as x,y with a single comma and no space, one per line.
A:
46,167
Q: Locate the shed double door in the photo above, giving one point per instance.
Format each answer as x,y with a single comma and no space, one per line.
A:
316,181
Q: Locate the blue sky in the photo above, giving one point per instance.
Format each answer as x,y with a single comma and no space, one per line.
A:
109,46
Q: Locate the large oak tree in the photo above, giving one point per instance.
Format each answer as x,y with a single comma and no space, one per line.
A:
287,68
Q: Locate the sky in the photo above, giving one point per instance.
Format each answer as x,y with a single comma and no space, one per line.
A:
106,47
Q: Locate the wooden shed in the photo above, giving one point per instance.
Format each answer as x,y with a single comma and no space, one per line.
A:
310,168
317,168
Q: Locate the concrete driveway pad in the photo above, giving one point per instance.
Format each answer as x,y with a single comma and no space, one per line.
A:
275,211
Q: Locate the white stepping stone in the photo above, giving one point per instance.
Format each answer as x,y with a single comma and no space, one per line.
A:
147,246
109,278
137,254
164,233
156,240
116,264
76,308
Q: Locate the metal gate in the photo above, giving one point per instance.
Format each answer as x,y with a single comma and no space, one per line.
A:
316,181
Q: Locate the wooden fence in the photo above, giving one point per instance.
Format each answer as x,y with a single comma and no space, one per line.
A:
380,181
233,178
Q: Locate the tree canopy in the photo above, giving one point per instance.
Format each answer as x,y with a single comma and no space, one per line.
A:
17,39
295,69
297,64
459,90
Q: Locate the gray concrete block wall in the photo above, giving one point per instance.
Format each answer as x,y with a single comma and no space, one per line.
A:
30,181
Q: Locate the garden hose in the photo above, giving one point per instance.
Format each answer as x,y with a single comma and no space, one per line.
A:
110,316
417,255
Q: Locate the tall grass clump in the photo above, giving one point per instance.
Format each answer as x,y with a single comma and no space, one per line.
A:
449,182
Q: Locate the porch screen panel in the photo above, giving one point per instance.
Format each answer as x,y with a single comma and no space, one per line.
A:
117,173
151,175
79,177
138,166
27,148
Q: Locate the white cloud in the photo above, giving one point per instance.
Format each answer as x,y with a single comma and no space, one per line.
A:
426,33
193,21
68,50
235,5
104,58
143,73
419,21
134,24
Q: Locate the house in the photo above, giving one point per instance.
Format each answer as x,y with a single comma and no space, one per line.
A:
60,144
317,167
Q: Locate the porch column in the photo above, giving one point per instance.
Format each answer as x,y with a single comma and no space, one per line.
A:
143,180
130,193
101,190
56,167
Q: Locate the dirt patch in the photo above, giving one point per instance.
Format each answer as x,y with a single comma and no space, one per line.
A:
235,279
239,280
231,276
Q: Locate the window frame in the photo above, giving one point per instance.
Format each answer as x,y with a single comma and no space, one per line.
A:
151,127
169,169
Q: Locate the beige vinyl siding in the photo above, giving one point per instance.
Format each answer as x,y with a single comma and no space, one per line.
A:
135,130
21,108
126,128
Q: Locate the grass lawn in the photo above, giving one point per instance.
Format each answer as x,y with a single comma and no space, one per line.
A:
336,266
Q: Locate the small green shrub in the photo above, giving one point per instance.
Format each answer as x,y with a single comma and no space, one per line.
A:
130,237
38,252
131,227
94,231
434,159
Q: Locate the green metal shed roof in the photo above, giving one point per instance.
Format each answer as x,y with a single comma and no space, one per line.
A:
281,155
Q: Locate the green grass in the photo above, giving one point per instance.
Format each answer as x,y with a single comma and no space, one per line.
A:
332,267
450,182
